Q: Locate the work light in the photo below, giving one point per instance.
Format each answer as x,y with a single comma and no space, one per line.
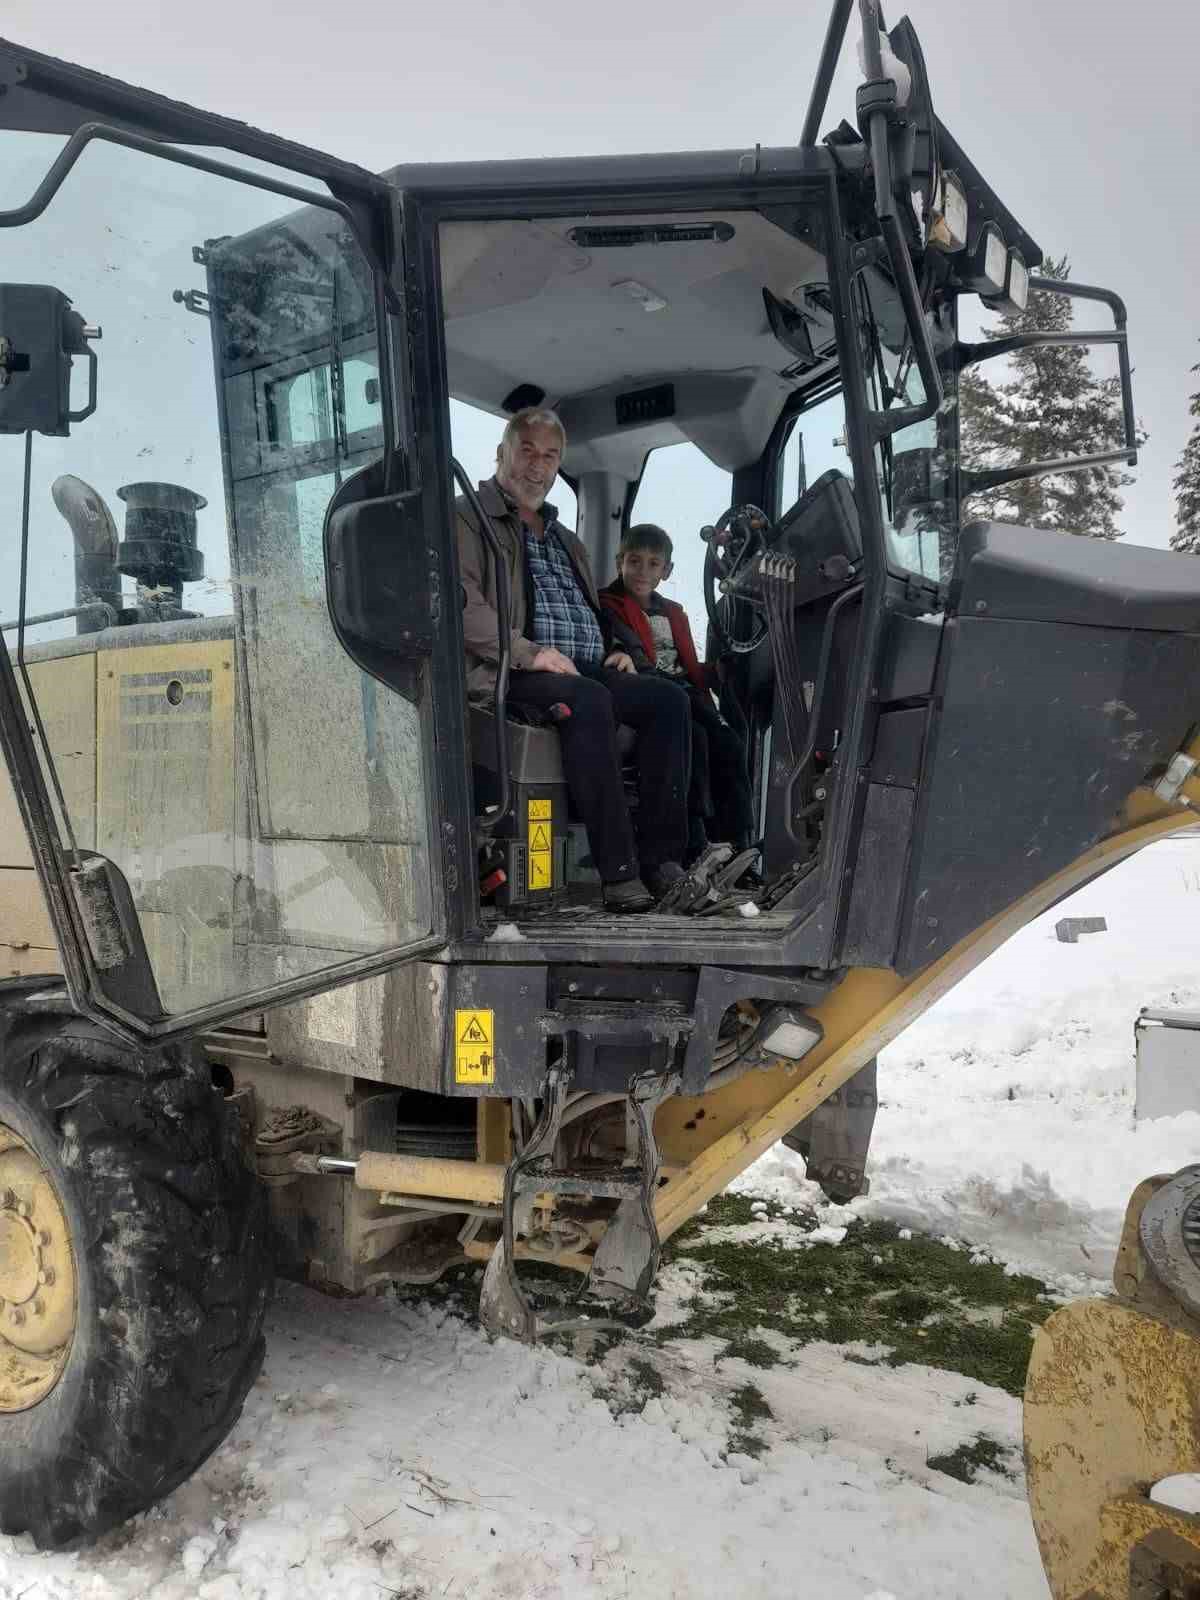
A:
947,230
986,269
1016,288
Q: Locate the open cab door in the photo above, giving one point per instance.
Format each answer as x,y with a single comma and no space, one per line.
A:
224,809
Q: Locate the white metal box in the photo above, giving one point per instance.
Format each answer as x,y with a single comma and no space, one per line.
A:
1168,1063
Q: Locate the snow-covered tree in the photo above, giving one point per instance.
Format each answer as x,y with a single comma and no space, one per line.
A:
1187,488
1050,404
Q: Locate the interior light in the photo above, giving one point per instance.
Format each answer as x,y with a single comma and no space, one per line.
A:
987,265
1016,289
645,296
948,216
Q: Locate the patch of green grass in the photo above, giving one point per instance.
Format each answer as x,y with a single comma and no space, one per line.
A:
646,1377
754,1352
632,1385
917,1297
968,1459
748,1406
729,1211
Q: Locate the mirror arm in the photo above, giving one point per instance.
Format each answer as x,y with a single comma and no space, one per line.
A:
971,355
835,36
974,482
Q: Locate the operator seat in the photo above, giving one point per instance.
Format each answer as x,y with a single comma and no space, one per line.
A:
534,751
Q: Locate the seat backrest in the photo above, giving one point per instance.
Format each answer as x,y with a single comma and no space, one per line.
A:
534,754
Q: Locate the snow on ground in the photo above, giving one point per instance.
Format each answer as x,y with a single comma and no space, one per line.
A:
1006,1113
390,1450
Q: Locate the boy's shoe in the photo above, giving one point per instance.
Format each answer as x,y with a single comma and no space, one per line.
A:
629,895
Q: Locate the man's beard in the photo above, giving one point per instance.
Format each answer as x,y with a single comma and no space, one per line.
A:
531,497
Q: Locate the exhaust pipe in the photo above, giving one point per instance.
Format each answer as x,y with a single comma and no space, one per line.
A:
97,580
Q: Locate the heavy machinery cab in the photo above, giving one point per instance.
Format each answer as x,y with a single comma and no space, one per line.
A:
257,773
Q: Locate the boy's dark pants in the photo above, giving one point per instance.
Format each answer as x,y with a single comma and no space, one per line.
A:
720,775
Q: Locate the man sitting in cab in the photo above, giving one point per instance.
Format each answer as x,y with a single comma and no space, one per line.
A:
562,655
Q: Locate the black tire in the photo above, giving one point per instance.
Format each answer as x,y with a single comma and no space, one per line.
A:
169,1233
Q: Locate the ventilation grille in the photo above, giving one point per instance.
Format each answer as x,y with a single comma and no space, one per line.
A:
623,237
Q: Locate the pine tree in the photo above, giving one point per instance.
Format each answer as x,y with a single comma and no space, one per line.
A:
1187,488
1051,405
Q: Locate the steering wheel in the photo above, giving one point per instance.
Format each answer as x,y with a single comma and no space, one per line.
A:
734,541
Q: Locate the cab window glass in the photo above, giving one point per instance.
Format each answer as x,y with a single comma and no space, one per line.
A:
815,445
474,436
682,490
917,467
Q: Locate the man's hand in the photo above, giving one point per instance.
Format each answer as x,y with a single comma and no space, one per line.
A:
621,661
550,660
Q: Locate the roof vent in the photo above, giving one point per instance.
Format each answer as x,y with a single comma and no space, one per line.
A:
623,235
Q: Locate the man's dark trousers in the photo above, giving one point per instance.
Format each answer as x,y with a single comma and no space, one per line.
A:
599,698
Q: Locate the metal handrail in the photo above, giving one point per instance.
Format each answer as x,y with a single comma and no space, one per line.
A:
835,35
814,715
503,614
1118,335
60,167
97,608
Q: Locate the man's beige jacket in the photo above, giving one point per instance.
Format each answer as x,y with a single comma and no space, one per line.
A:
481,628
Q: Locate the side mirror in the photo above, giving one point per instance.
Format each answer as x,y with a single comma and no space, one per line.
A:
922,476
383,599
39,333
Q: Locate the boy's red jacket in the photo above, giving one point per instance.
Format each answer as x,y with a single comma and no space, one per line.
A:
626,609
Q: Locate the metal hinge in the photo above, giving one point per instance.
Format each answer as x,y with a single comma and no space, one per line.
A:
1169,787
193,300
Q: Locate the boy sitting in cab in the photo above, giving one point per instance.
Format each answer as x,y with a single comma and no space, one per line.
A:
656,633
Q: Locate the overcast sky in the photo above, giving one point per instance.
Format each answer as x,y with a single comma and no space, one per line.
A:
1081,113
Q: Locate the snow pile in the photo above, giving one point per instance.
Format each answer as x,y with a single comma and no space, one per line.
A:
1006,1112
397,1452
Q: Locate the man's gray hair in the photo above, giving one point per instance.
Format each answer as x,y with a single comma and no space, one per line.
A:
530,417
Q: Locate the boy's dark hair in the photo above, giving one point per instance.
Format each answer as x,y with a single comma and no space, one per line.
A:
648,536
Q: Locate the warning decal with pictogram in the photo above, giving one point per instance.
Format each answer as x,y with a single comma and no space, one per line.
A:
474,1047
540,818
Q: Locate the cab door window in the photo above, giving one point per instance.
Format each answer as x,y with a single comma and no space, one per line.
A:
815,445
265,800
916,468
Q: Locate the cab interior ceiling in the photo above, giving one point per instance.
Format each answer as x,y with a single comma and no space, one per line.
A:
526,303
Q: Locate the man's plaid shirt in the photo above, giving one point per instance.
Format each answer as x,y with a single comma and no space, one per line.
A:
562,615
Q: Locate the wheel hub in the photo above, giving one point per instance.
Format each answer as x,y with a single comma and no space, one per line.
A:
37,1278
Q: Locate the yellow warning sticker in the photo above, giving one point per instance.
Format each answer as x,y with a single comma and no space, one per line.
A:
541,870
474,1047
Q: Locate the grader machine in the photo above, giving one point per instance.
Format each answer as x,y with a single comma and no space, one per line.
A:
305,963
